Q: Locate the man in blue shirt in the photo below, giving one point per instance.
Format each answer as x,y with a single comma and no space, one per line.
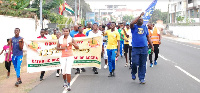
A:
16,44
140,36
74,32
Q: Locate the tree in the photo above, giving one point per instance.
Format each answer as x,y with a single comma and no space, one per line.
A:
158,15
127,18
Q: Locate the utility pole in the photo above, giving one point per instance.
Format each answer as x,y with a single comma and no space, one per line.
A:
41,23
168,13
75,11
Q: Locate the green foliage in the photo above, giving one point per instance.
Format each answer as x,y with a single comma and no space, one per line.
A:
6,8
83,22
104,19
158,15
179,19
127,18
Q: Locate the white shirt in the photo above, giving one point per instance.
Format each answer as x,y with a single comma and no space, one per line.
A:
48,36
130,38
92,34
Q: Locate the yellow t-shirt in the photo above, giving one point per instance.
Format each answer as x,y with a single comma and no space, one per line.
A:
53,36
127,30
85,30
112,39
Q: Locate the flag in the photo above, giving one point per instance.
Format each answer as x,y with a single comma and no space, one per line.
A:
148,12
68,8
61,9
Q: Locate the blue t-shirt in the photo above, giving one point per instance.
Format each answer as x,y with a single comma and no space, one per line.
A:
72,33
139,36
16,50
87,33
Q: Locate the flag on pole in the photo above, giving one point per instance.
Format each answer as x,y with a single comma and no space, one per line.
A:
61,9
68,8
148,12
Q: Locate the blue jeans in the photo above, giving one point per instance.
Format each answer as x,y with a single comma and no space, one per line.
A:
111,58
121,47
139,57
17,61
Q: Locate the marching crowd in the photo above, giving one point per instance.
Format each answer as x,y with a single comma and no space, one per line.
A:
134,40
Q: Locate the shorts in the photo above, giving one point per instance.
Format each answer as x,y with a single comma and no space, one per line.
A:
66,64
105,56
126,47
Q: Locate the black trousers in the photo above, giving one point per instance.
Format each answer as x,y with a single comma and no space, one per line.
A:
42,74
7,65
130,57
156,51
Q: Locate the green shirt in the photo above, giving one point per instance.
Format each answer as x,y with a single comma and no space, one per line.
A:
120,30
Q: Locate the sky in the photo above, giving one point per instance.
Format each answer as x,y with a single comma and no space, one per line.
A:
130,4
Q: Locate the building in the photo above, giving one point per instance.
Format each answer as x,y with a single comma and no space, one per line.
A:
189,9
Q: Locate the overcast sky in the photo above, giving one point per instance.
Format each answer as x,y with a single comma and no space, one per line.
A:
131,4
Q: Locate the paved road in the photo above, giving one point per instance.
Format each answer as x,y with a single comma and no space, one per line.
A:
177,72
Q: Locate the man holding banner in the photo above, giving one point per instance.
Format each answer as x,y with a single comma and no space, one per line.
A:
65,44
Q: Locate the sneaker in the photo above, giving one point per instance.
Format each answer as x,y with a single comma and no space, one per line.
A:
113,73
155,62
7,77
95,72
142,81
20,82
57,75
116,58
68,88
133,77
106,66
78,72
126,65
41,79
17,84
110,75
65,85
83,69
151,64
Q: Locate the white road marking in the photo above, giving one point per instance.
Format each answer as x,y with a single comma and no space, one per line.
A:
184,71
74,79
173,41
162,57
193,77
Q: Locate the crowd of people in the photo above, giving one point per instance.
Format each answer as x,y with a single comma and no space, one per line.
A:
134,38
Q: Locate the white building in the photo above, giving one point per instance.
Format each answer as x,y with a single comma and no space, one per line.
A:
185,8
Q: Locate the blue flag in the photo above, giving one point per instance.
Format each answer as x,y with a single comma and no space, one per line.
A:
149,12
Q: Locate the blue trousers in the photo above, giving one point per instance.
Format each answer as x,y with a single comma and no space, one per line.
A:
139,58
17,61
121,47
111,58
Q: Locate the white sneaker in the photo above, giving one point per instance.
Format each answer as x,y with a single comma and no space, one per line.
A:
57,75
126,65
106,66
65,85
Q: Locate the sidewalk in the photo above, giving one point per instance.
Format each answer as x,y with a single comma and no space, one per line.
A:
195,42
29,80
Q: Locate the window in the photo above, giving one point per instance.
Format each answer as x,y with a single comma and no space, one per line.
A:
189,1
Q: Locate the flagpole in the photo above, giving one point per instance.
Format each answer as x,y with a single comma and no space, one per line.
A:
41,14
75,12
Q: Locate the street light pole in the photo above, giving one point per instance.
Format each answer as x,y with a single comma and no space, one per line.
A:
41,23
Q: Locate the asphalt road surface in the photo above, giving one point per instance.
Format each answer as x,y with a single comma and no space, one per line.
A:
178,71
